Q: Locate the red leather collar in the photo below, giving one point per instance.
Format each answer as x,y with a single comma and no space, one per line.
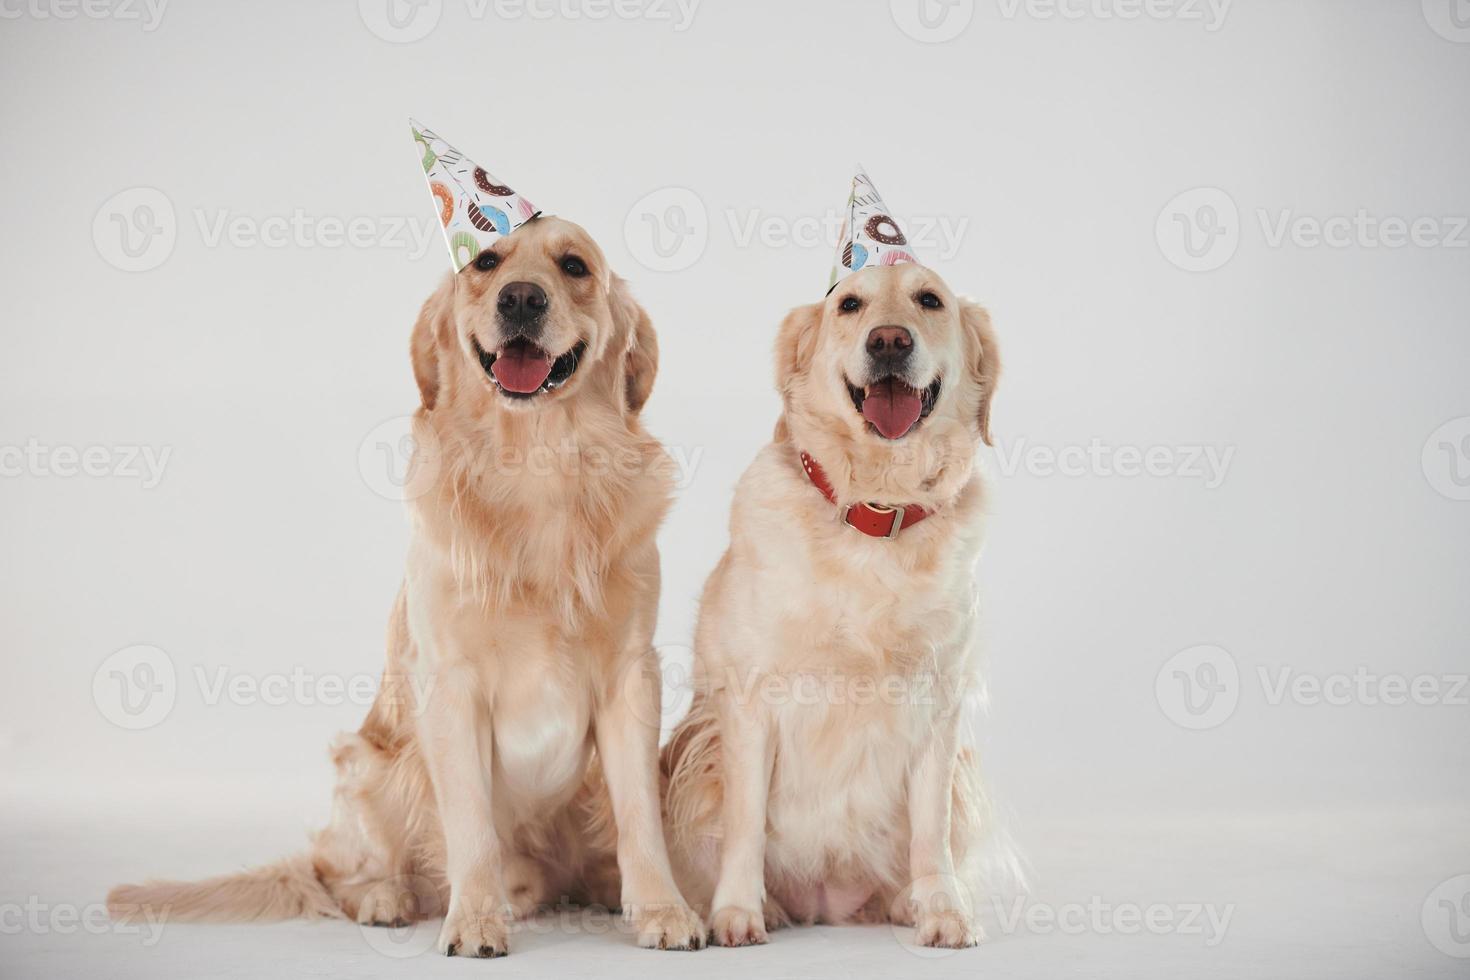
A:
872,520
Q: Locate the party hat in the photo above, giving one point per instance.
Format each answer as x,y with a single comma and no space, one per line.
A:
870,235
474,207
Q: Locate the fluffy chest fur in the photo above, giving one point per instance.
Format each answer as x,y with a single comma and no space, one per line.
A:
539,513
856,648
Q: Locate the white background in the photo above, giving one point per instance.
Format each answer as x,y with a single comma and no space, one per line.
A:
1070,147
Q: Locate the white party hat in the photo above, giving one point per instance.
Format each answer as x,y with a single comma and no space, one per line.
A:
870,235
474,207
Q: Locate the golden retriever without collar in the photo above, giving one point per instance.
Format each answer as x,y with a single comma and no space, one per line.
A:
521,639
819,775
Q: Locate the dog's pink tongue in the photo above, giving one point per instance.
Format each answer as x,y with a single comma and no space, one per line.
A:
892,406
521,368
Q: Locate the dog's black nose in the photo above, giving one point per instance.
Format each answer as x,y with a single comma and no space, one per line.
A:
890,344
521,302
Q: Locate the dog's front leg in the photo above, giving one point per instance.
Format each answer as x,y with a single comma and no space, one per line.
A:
627,733
454,736
748,752
936,898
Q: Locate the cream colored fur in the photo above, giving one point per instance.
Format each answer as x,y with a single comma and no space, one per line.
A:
820,774
512,752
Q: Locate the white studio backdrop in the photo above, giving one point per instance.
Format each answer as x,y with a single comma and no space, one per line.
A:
1224,245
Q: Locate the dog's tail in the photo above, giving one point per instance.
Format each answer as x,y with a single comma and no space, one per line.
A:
288,889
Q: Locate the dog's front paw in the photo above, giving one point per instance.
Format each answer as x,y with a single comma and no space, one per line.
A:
391,902
947,929
468,932
733,926
667,926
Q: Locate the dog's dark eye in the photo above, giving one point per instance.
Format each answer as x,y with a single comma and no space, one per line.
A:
850,304
487,261
929,301
574,267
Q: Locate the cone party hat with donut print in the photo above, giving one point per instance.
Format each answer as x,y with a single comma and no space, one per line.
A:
870,235
474,207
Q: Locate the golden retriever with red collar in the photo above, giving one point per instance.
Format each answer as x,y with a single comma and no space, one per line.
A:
820,775
521,640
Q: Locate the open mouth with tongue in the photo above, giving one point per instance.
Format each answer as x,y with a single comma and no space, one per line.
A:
521,369
892,407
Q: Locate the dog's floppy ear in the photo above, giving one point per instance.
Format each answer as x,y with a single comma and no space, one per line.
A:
430,335
640,362
795,342
985,357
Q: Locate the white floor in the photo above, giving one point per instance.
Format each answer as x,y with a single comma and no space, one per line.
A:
1281,896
